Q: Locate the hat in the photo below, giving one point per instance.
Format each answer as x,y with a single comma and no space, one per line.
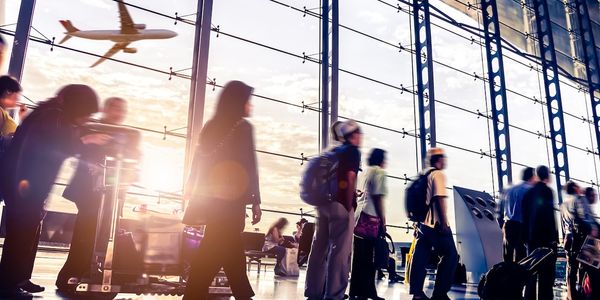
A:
435,151
348,128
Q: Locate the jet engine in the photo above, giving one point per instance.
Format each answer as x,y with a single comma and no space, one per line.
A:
139,26
130,50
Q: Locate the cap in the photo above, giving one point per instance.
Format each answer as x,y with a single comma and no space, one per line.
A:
349,127
435,151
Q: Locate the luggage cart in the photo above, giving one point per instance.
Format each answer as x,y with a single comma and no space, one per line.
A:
157,266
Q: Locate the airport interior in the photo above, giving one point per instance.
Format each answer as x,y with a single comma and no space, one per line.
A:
493,95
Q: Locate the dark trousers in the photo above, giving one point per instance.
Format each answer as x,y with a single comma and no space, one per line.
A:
443,243
543,283
221,247
23,225
78,263
279,251
514,246
362,280
574,271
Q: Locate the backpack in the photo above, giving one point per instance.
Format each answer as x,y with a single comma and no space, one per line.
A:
505,281
416,198
319,183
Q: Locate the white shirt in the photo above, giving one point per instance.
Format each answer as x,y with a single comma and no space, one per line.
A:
436,187
375,183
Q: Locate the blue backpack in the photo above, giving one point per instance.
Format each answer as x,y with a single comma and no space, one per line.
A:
319,183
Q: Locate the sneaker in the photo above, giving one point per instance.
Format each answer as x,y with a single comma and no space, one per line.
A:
396,278
31,287
15,293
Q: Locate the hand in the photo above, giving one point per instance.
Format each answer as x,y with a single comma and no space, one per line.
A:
256,213
22,111
96,138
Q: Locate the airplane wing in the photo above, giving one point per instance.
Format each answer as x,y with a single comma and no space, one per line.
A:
127,25
112,51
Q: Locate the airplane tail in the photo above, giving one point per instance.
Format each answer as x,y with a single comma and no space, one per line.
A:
68,26
70,29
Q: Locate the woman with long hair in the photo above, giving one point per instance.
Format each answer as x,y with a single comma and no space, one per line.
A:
362,281
275,243
223,180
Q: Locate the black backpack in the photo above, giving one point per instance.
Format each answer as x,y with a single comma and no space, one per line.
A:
416,198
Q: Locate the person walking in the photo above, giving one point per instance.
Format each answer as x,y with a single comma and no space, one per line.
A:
370,222
329,259
540,230
511,215
223,180
86,190
435,233
47,137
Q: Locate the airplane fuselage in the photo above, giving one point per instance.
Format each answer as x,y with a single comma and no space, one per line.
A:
118,37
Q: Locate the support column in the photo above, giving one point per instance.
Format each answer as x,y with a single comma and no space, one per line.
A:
497,87
425,88
553,97
198,83
19,50
324,74
592,64
335,58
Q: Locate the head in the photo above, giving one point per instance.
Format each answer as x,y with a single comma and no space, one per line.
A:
572,188
336,134
10,90
351,133
234,103
114,110
591,195
543,173
3,47
301,223
528,175
436,157
280,224
78,102
377,157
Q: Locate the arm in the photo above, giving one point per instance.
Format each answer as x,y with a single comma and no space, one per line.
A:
351,190
379,208
441,212
252,168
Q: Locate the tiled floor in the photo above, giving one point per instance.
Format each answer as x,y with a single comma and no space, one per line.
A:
265,284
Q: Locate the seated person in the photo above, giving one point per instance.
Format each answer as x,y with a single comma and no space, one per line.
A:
275,243
298,232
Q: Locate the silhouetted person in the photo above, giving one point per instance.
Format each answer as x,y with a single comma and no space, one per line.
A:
223,180
434,232
29,167
362,280
540,230
86,191
329,259
511,214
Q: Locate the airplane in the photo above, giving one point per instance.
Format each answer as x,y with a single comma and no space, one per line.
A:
129,33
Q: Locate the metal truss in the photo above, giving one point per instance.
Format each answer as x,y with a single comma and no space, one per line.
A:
592,64
552,89
497,86
424,64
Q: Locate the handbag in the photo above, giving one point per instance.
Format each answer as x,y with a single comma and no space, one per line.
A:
368,226
383,251
201,206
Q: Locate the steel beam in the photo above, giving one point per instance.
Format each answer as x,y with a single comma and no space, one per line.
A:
199,75
552,88
592,64
497,87
424,63
335,58
324,74
19,50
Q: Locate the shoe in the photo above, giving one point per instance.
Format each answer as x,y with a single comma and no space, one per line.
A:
376,298
421,296
15,293
440,297
396,278
31,287
380,275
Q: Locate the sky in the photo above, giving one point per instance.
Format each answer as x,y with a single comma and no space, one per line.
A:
157,101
